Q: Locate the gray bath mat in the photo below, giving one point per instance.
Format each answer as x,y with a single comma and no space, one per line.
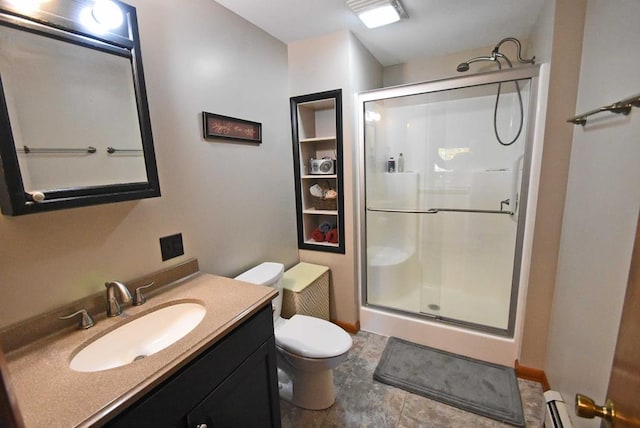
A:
483,388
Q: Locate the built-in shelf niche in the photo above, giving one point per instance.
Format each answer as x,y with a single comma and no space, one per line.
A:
316,121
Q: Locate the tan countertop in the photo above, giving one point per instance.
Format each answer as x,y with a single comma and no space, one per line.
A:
50,394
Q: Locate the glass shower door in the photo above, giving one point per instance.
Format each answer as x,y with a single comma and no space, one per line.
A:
441,229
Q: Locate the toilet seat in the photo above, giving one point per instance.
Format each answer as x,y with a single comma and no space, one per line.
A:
311,337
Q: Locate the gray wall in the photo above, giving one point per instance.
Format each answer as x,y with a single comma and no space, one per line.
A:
337,61
233,203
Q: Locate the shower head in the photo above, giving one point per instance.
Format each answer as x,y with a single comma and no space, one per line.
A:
462,67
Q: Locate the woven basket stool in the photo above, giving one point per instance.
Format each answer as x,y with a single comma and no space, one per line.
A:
306,291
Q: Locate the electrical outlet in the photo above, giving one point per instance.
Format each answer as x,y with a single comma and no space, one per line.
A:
171,246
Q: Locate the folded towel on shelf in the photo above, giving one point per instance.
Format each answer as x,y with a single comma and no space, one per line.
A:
316,191
332,236
326,226
330,194
318,236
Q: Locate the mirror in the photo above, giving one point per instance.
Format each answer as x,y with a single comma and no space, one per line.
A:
74,120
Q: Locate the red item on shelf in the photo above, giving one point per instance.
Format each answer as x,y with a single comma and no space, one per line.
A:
318,236
332,236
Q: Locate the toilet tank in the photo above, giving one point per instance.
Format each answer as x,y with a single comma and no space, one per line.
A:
270,275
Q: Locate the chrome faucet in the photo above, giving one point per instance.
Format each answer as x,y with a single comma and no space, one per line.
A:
115,290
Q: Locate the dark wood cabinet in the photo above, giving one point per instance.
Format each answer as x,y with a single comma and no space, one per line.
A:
233,384
239,401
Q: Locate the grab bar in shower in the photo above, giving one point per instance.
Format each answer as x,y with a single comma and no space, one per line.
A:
437,210
620,107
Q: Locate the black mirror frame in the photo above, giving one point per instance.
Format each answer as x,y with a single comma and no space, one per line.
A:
13,198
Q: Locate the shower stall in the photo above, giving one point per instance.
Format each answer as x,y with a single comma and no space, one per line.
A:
444,179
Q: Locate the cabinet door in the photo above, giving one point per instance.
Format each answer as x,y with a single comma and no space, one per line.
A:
245,398
169,403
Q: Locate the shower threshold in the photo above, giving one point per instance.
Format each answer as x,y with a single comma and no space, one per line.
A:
487,344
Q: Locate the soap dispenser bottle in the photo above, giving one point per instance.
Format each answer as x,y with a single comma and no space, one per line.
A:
391,165
400,163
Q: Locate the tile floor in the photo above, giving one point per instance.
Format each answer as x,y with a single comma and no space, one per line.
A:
363,402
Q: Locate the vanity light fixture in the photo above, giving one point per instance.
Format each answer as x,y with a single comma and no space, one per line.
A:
376,13
27,6
103,16
107,14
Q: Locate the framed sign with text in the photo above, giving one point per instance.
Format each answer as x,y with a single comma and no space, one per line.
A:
218,126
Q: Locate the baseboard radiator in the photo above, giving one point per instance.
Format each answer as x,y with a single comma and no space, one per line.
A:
557,415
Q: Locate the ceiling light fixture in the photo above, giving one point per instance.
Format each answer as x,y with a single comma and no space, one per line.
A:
376,13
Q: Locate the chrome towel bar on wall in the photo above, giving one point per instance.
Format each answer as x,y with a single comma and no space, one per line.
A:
620,107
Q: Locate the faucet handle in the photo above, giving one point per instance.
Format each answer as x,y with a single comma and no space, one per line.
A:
85,320
139,298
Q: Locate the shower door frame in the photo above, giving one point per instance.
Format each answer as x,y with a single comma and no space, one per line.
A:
460,82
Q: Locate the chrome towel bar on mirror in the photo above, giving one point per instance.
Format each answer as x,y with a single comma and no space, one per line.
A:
35,150
620,107
112,150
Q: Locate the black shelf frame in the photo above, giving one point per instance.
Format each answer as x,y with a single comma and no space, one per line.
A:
336,95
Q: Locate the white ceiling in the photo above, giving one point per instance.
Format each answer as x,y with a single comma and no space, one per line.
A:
434,27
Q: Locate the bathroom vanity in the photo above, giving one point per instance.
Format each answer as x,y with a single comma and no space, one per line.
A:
231,384
222,373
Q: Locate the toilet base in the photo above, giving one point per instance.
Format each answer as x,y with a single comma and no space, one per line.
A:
309,390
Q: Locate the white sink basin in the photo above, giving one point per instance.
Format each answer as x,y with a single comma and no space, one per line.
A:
139,338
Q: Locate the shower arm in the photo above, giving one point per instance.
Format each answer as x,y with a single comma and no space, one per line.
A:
484,58
504,57
496,51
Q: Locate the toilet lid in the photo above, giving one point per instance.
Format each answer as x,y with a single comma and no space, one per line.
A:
266,273
312,337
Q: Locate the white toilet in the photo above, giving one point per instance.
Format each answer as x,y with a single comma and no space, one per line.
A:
308,348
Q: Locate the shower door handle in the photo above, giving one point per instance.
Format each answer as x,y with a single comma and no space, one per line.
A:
437,210
394,210
513,197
